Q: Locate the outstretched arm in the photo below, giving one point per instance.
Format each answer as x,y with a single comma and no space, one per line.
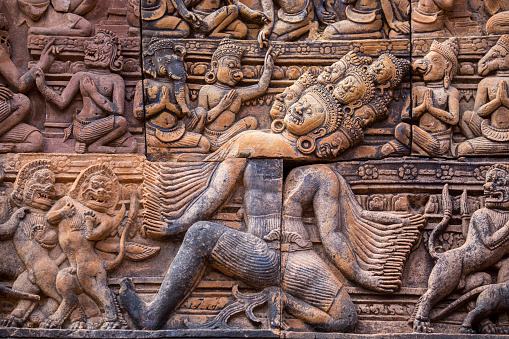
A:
251,92
8,228
68,94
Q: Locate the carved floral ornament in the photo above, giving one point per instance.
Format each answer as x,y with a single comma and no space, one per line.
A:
253,168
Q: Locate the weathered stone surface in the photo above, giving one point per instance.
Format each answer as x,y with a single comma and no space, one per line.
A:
254,168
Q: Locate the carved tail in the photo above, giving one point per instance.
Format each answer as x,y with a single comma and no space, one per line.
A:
133,212
458,302
447,207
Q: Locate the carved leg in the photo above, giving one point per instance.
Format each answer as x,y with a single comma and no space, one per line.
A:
24,307
67,284
402,144
216,22
443,279
183,274
318,185
20,108
119,128
167,27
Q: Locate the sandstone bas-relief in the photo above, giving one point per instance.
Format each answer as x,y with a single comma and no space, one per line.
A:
220,237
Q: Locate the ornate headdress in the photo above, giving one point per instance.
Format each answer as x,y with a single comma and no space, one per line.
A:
306,80
400,67
500,166
367,79
227,47
449,50
26,172
158,44
117,60
504,42
351,58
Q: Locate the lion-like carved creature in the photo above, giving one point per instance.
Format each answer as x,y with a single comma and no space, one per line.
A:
84,216
486,243
33,238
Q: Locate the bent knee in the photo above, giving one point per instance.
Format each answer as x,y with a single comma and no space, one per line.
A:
465,148
36,142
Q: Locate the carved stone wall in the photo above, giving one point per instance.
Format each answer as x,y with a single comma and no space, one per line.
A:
254,168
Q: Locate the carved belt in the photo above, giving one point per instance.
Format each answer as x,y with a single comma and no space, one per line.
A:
494,133
287,241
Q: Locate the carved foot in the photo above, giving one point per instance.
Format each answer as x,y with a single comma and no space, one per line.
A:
50,323
11,321
134,305
6,148
422,326
111,325
488,327
78,325
80,147
467,330
164,232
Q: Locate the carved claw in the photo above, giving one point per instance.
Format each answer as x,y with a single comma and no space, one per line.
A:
110,325
50,323
11,321
78,325
422,326
467,330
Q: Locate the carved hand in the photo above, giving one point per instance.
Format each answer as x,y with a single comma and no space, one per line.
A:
500,91
325,16
165,96
504,97
89,85
263,37
270,57
401,26
68,210
228,99
193,20
428,99
40,80
48,54
259,17
89,216
22,212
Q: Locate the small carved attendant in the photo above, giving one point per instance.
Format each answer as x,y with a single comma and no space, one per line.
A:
99,127
59,17
292,19
429,16
33,238
83,217
222,101
436,105
488,124
221,21
162,101
364,21
16,136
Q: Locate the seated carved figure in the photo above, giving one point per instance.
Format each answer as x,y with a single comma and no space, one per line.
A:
302,284
222,101
486,243
47,17
364,20
487,126
159,18
429,16
99,126
290,20
162,101
436,105
16,136
221,20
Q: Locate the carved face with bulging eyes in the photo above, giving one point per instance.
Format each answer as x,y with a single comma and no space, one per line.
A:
98,194
39,191
228,70
433,67
99,51
383,69
332,74
349,90
284,100
496,189
305,115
